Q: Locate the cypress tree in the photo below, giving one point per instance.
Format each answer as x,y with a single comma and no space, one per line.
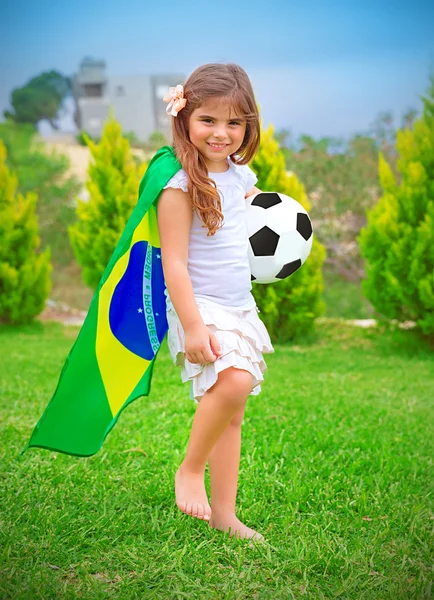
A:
114,179
398,240
24,273
288,307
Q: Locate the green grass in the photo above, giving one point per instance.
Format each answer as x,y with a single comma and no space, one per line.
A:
336,471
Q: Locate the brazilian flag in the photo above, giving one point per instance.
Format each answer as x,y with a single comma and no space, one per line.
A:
112,359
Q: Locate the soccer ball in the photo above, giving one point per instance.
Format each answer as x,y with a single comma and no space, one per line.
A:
280,236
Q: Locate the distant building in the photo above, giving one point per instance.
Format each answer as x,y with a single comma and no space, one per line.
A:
137,100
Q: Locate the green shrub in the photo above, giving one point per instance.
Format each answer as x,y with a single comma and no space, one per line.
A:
113,182
398,241
24,274
82,136
288,307
45,173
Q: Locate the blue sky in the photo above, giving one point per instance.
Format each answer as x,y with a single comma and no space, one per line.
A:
319,67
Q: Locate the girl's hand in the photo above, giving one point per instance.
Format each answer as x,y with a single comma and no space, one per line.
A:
201,345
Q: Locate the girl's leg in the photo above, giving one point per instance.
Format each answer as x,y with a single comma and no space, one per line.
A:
213,414
224,462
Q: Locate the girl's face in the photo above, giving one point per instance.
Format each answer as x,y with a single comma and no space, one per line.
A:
214,123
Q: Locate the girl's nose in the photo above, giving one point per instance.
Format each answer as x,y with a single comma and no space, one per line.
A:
220,134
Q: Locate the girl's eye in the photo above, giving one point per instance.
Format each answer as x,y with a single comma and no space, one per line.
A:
233,122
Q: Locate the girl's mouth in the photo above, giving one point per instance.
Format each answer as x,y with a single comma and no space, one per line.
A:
216,147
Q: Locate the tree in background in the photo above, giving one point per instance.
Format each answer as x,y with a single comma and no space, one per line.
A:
383,130
114,179
45,174
398,241
40,98
341,179
24,274
288,307
155,141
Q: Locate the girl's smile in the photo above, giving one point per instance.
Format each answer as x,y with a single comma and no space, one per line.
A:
215,147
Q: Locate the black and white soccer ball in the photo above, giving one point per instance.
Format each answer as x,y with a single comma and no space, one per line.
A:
280,236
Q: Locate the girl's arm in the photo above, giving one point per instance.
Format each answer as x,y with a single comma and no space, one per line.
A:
254,190
174,217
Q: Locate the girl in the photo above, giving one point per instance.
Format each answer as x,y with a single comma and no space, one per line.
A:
215,334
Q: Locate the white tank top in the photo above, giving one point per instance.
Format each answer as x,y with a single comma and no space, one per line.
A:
218,265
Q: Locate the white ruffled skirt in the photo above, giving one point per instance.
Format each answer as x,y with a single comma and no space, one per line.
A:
243,339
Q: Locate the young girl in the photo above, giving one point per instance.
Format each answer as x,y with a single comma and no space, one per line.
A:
215,334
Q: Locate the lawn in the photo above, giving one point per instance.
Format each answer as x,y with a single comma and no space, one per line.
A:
336,471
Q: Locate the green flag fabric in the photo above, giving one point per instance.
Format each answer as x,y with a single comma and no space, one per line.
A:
112,359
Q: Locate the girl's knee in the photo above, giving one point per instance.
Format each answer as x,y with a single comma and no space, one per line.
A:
237,383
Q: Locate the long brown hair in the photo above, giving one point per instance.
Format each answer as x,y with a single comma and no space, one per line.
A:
214,81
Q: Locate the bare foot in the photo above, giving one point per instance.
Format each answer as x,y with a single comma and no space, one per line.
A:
191,495
229,522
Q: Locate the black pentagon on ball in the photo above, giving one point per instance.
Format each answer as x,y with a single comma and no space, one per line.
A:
264,242
288,269
266,199
252,277
304,226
